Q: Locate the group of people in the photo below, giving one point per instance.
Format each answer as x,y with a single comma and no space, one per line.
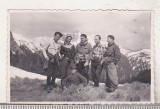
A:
72,62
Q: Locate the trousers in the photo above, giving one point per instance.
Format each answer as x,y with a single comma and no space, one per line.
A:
96,69
83,70
111,75
52,72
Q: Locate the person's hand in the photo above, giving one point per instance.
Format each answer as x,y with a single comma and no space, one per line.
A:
76,61
47,59
86,63
61,55
102,61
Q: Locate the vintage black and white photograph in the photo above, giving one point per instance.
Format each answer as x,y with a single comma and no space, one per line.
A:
80,56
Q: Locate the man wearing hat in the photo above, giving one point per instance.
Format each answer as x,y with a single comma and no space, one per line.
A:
112,56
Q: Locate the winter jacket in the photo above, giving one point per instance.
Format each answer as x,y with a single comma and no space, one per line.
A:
74,78
113,53
83,51
97,53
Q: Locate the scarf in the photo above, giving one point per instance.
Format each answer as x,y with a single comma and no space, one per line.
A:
84,44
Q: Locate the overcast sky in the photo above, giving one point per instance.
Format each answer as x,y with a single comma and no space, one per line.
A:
130,28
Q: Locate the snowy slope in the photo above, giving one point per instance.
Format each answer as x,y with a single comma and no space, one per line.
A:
124,51
16,72
140,60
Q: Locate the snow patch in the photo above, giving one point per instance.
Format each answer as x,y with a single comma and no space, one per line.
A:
16,72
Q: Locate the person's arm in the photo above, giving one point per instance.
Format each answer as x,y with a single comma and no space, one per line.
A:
73,54
61,50
90,52
64,82
89,55
117,54
76,54
44,52
83,79
103,52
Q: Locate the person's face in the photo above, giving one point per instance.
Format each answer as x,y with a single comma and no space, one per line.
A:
83,39
57,37
109,40
73,70
96,39
68,39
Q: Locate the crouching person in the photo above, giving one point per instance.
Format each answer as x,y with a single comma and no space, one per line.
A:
74,78
51,54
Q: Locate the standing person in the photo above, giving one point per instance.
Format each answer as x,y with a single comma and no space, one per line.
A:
83,50
68,52
112,56
97,55
51,53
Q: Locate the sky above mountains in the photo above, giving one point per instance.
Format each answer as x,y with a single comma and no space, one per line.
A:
130,28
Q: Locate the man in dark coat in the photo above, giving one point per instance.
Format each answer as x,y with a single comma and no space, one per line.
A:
112,56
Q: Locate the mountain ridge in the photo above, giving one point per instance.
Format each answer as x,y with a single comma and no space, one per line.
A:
130,65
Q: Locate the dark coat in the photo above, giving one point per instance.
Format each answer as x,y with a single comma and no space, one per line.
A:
113,53
75,79
53,59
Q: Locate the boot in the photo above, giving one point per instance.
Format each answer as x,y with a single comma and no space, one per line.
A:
48,89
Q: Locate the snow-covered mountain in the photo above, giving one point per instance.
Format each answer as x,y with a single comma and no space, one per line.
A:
131,63
20,40
140,60
37,44
41,41
124,51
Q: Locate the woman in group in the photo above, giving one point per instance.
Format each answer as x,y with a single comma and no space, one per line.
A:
68,53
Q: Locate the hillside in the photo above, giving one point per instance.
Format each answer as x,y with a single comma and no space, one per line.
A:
31,87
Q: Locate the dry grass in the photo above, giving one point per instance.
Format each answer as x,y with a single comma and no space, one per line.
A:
35,90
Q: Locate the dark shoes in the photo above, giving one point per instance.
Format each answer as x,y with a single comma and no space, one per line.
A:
54,85
109,90
96,85
50,87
